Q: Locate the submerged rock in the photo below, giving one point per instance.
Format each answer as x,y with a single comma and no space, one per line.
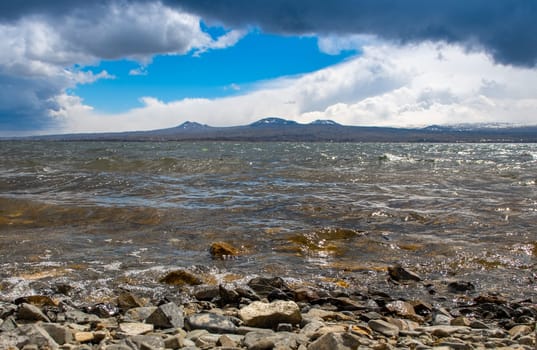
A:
399,273
223,250
181,278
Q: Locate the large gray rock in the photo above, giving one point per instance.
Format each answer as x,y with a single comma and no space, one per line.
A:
211,322
59,333
31,334
167,316
29,312
336,341
269,315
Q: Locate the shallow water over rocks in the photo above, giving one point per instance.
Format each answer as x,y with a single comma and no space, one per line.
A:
97,216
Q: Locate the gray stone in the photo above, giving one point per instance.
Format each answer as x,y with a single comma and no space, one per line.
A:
29,312
59,333
148,341
139,314
272,340
135,328
9,324
384,327
167,316
207,340
211,322
336,341
34,334
80,317
443,331
269,315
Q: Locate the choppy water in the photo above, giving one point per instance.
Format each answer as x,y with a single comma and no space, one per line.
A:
101,215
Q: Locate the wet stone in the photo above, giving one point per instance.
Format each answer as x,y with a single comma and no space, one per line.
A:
264,286
181,278
460,287
223,250
399,273
80,317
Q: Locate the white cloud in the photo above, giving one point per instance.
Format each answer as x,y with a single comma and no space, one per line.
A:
41,55
414,85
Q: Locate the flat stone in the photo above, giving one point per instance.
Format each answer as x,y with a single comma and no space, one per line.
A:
29,312
37,300
336,341
80,317
333,328
135,328
384,327
167,316
84,337
443,331
211,322
269,315
520,330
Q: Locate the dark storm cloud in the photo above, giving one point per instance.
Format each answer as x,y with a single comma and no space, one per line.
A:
506,29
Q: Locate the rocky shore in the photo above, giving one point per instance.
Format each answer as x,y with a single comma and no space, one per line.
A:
269,313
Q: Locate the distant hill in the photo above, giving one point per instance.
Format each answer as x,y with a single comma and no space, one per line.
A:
279,129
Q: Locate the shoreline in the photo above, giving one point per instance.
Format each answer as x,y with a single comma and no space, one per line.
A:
270,313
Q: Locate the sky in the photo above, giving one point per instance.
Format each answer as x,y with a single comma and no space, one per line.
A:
71,66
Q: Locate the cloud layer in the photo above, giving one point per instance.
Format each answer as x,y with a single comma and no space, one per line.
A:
45,49
506,29
412,85
483,69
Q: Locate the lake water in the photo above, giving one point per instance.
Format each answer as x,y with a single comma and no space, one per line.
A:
103,215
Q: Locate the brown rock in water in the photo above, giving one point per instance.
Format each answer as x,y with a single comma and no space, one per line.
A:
223,250
181,278
399,273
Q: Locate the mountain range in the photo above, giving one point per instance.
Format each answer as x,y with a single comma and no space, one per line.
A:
278,129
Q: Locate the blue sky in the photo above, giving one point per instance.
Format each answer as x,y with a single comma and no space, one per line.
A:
115,65
212,74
